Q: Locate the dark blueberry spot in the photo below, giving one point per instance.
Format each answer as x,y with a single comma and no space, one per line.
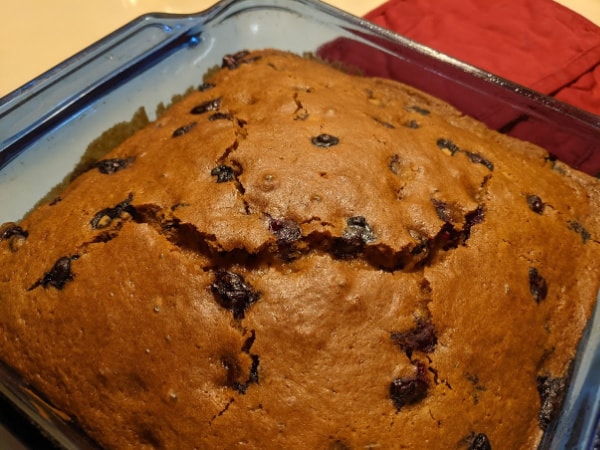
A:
478,159
394,164
578,228
324,140
409,390
223,173
353,240
184,129
234,60
220,116
358,224
442,210
413,124
14,234
232,292
537,285
383,123
447,144
552,392
55,201
286,230
210,105
535,203
205,87
113,165
420,110
420,338
58,275
9,230
480,442
104,218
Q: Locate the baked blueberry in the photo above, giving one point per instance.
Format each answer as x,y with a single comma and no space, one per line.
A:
419,110
223,173
220,116
207,106
286,230
421,338
232,292
480,442
442,210
9,230
357,234
232,61
478,159
552,391
104,218
358,225
383,123
579,229
535,203
447,144
324,140
113,165
184,129
58,275
537,285
409,390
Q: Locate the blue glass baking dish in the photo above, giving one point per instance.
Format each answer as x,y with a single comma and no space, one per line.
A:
46,125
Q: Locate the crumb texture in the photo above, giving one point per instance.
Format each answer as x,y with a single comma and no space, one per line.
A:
296,257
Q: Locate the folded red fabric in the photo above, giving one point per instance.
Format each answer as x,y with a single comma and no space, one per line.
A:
537,43
584,92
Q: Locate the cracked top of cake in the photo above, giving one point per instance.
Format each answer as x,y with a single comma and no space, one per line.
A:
294,257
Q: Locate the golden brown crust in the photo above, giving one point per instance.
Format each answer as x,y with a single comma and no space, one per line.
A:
301,258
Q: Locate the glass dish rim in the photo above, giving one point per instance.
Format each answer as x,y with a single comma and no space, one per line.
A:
195,21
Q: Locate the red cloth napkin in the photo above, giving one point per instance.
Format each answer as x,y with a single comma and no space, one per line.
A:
537,43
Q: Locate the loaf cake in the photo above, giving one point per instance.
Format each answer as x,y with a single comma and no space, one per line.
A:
295,257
